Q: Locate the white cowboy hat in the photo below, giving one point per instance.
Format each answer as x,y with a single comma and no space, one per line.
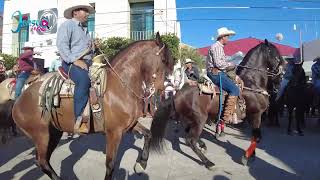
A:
73,5
224,32
1,58
28,45
189,61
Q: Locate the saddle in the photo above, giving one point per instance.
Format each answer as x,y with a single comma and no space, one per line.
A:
60,86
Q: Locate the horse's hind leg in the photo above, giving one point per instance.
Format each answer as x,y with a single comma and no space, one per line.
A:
290,110
193,138
299,120
142,160
45,145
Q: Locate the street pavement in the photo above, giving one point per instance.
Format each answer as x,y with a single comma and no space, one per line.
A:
279,156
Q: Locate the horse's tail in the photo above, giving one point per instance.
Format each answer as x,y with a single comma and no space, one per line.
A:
159,124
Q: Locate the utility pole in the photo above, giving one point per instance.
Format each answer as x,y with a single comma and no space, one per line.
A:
300,40
166,16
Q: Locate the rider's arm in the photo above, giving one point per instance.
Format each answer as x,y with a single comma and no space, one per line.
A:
64,42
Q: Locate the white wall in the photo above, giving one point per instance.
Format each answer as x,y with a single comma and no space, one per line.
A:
111,19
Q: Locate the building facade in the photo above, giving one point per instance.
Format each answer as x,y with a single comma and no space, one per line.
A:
37,22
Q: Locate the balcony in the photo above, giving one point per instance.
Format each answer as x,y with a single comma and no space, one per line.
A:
141,35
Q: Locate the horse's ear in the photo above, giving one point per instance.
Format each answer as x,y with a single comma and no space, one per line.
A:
266,42
158,39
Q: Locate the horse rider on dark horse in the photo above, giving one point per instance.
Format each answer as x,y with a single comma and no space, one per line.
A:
2,69
72,40
287,77
217,65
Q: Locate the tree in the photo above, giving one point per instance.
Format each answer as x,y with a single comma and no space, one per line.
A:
111,46
191,53
173,42
9,60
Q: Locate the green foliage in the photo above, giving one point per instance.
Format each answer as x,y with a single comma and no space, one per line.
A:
9,60
112,46
188,52
173,42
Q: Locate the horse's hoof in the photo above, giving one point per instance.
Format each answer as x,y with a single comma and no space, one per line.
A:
244,160
203,150
300,133
217,136
138,168
210,166
222,134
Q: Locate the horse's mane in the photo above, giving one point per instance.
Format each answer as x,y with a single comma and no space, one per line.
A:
126,48
262,47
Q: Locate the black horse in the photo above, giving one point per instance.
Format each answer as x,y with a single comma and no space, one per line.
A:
295,97
261,65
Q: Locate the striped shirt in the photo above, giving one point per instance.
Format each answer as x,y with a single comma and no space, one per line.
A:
72,41
216,57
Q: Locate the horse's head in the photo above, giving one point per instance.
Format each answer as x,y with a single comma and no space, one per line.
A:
155,71
299,76
273,58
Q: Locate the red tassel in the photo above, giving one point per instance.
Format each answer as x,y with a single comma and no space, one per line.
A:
222,126
251,148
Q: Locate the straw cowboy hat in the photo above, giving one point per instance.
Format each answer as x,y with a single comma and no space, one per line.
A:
28,45
224,32
189,61
73,5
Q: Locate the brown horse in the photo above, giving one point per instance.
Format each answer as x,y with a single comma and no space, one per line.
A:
142,62
193,109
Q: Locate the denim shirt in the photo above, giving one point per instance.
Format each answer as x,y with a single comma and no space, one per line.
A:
289,71
72,41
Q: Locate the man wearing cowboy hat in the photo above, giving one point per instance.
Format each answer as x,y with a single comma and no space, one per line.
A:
291,62
191,71
26,67
316,75
2,67
217,65
73,40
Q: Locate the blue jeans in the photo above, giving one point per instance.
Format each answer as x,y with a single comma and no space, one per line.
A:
82,84
284,83
21,79
227,84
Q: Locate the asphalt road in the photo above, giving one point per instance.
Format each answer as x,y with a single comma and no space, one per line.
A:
279,156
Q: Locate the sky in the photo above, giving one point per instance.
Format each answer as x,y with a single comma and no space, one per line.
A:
198,33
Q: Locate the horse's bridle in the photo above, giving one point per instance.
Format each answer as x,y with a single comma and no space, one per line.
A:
148,91
270,74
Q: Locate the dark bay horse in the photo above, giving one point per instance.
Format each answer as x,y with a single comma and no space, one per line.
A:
295,96
261,64
142,62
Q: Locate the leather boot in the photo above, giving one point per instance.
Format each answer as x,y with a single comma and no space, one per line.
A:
229,108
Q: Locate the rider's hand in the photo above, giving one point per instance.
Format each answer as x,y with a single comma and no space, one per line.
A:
231,67
35,72
80,63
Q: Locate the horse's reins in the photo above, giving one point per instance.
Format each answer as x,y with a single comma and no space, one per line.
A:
261,70
152,90
270,74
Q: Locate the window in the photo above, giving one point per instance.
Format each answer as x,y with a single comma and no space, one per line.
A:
91,22
142,20
91,25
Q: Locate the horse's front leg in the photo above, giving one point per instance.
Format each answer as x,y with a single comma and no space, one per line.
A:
141,162
113,140
255,139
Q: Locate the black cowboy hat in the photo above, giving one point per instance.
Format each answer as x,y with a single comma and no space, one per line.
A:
316,59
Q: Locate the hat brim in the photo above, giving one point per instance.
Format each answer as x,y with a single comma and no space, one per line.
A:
189,62
68,12
229,33
27,47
